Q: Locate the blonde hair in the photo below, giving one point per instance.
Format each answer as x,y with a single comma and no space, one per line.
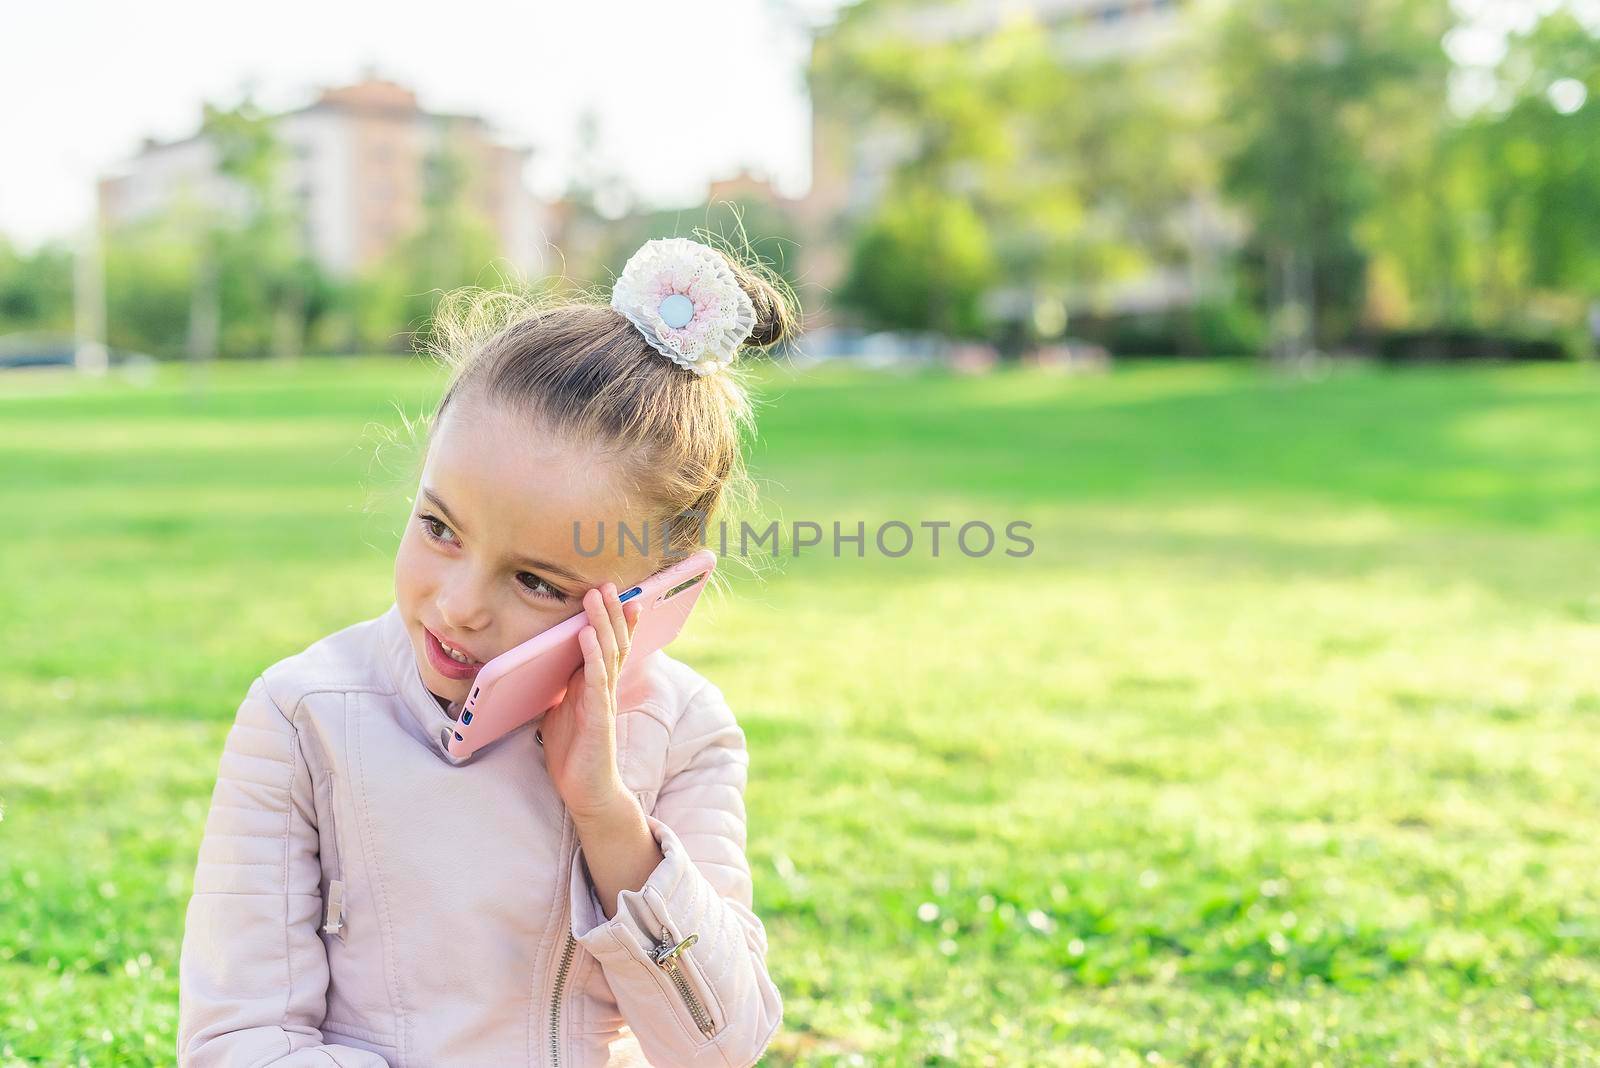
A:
573,366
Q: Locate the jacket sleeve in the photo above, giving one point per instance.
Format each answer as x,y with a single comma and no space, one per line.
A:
253,972
702,887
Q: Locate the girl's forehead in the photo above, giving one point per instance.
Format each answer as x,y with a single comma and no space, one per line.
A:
510,485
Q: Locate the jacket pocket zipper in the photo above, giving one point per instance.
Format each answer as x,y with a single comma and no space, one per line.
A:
333,919
555,998
667,955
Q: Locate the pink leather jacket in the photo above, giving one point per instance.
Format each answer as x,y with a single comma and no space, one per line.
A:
364,898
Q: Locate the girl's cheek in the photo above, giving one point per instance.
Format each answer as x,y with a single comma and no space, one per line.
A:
410,568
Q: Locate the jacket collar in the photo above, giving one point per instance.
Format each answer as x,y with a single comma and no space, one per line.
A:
641,681
401,661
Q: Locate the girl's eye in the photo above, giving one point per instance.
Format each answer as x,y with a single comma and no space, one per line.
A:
434,528
539,587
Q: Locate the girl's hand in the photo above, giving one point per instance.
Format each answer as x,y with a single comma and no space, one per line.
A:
580,735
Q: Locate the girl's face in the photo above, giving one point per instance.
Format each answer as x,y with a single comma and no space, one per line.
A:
490,557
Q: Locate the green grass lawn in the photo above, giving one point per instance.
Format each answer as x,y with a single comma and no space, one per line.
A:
1280,747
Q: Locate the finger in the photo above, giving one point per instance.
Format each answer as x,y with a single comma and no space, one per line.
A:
594,666
619,622
576,681
601,621
630,614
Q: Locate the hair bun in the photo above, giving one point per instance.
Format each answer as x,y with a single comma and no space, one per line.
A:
775,316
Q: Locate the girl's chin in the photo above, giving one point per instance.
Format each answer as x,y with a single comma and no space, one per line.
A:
441,689
446,689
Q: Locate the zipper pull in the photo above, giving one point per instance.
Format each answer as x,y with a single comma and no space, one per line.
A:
335,918
667,958
666,951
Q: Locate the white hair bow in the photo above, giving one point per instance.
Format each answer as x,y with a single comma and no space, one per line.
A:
684,299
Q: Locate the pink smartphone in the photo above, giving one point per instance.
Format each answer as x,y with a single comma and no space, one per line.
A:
523,683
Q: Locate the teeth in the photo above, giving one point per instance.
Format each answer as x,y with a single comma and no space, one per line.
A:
456,655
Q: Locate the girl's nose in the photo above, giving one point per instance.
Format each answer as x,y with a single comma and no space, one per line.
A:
463,608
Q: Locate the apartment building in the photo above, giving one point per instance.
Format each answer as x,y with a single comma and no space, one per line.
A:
358,168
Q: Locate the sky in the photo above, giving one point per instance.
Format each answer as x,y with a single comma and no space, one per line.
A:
683,92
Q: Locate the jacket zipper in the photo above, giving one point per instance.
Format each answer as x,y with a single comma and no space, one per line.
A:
567,950
555,999
666,955
333,920
667,960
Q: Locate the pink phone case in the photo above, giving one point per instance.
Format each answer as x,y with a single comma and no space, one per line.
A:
523,683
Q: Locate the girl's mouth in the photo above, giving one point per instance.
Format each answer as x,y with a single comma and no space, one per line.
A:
444,663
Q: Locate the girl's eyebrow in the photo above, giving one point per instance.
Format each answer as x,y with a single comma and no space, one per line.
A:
438,502
532,561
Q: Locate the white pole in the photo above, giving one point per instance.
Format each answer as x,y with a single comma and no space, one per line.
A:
89,302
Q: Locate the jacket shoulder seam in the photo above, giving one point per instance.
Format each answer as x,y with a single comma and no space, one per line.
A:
312,691
653,709
674,742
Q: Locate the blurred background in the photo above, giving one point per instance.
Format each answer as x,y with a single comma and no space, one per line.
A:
1274,320
1043,180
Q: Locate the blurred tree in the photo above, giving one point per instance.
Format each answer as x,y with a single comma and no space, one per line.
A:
35,288
235,277
224,276
598,205
1543,183
923,262
1060,177
594,184
255,270
150,283
1320,104
452,246
1490,224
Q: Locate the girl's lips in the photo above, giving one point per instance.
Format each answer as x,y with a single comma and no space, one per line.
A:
442,662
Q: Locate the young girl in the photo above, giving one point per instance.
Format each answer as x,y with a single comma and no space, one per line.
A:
575,894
